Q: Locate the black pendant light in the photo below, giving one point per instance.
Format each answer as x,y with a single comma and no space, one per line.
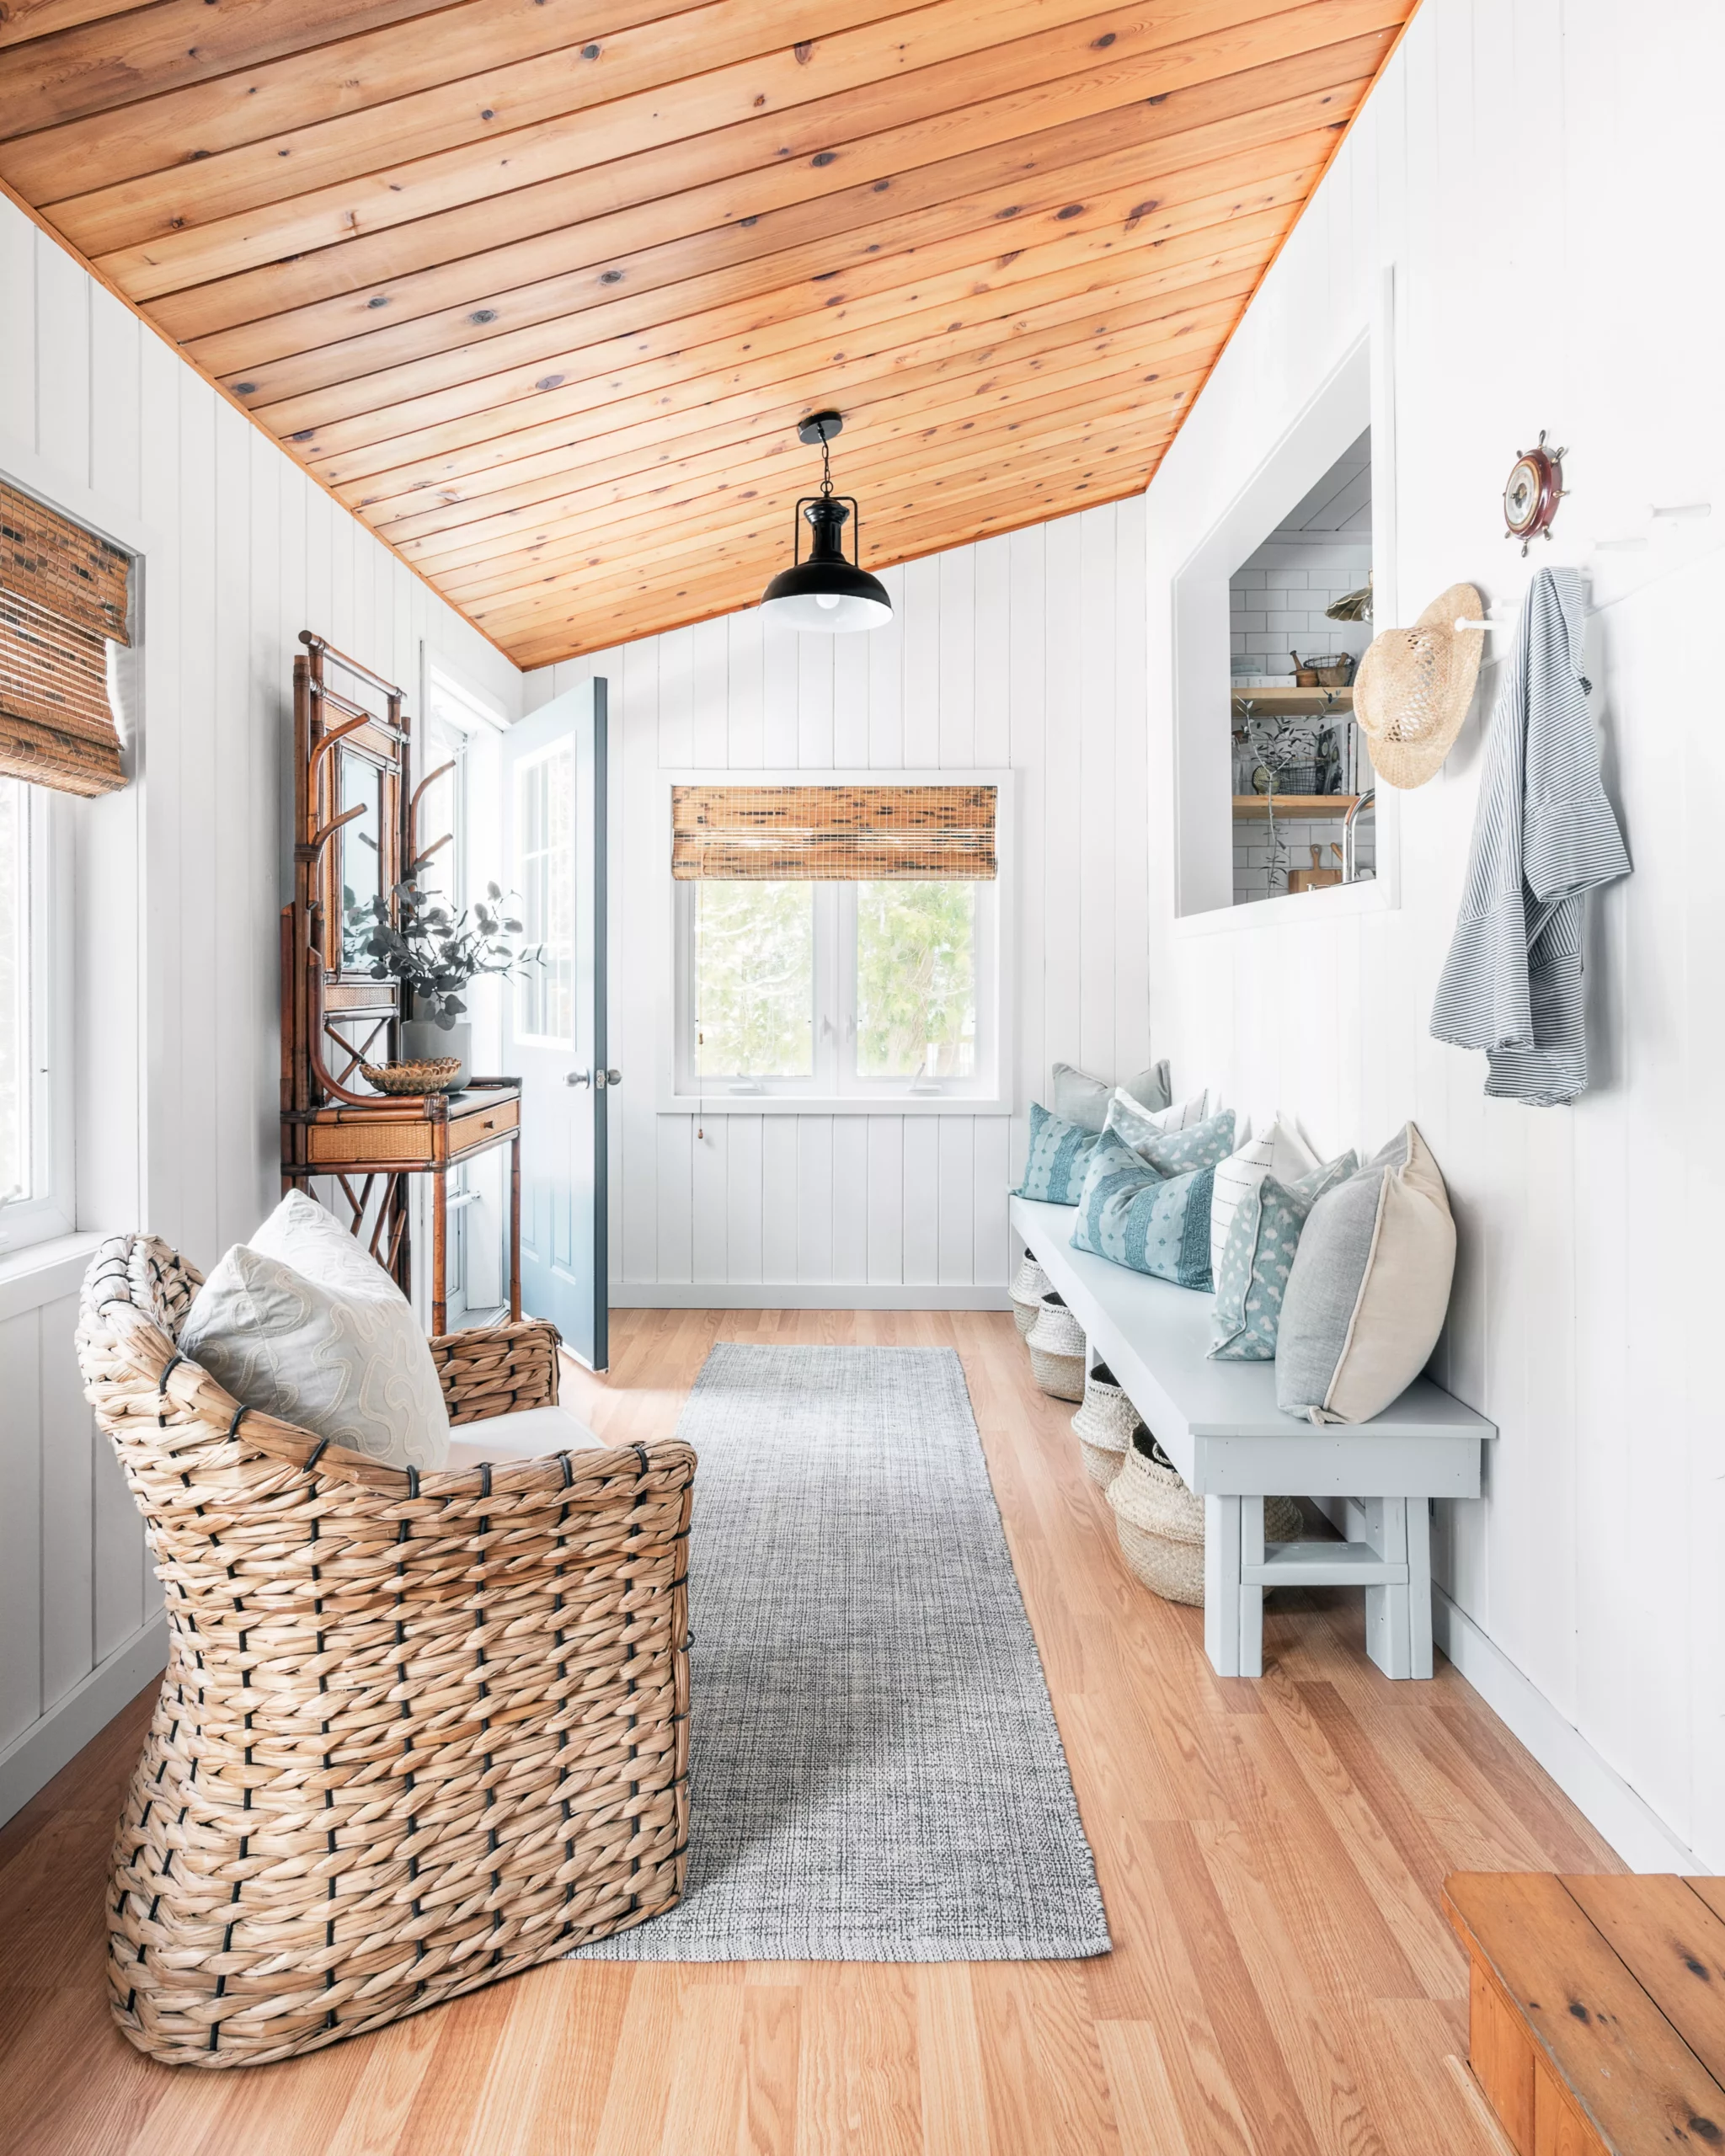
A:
826,591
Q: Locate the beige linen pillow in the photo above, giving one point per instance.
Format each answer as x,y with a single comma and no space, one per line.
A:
322,1338
1369,1289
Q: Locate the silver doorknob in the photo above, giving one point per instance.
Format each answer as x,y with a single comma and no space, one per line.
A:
613,1077
580,1078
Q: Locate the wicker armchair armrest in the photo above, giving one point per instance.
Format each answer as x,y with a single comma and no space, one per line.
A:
497,1368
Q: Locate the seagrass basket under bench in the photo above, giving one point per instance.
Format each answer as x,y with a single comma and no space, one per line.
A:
416,1732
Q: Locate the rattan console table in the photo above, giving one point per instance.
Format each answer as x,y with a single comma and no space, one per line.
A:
353,749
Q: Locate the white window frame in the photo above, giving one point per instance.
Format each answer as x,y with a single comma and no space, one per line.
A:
834,1088
52,1209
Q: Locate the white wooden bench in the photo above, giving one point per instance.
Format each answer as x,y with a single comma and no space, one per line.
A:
1220,1424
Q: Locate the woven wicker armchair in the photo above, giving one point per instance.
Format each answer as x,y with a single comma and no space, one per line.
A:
417,1732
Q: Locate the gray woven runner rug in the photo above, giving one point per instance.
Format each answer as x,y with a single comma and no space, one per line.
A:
875,1774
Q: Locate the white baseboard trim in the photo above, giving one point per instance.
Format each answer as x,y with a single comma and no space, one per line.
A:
799,1295
30,1762
1598,1792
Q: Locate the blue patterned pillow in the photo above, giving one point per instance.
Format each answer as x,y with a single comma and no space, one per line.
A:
1257,1257
1155,1224
1059,1152
1204,1145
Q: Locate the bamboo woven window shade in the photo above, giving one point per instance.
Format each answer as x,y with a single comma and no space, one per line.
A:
64,598
833,834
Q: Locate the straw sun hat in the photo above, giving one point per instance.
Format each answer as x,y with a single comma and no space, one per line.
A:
1414,686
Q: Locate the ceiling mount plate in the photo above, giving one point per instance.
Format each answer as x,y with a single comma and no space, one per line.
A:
819,427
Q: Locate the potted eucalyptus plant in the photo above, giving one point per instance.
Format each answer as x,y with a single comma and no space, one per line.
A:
436,953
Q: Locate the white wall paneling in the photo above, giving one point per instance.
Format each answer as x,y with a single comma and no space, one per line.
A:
1023,653
1587,1233
179,879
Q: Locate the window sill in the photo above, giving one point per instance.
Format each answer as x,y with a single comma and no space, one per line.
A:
711,1104
45,1272
1369,895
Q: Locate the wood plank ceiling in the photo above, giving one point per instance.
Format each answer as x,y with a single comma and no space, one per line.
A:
541,288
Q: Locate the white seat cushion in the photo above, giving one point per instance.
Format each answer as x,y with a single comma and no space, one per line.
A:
302,1324
530,1433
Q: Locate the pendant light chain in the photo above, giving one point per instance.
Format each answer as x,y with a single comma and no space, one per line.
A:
825,464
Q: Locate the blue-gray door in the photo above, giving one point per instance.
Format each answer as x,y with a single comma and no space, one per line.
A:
553,806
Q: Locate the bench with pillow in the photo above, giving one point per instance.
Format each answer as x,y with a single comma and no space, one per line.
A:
1296,1372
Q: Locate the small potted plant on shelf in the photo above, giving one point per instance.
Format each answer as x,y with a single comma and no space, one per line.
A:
435,954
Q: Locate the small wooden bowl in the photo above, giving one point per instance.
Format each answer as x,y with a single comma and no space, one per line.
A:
436,1074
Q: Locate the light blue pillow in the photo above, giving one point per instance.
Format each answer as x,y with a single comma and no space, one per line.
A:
1155,1224
1257,1257
1200,1145
1059,1152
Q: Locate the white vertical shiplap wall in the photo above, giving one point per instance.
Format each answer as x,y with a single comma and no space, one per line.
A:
1025,652
180,880
1542,278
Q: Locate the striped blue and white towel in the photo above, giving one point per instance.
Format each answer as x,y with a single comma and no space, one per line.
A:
1544,836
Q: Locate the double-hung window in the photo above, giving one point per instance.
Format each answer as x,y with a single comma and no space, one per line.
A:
65,605
837,944
35,1019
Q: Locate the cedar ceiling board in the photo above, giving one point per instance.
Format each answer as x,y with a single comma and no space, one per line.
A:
617,484
195,238
965,294
822,274
330,218
105,65
435,453
640,72
744,557
773,490
715,482
79,156
680,241
580,230
1099,227
571,629
584,544
393,498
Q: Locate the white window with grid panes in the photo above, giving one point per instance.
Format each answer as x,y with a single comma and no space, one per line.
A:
841,995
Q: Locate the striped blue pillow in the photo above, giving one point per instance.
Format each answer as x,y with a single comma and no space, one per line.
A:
1059,1152
1154,1224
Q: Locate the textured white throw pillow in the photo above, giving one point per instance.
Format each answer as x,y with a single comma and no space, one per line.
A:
324,1339
1136,1125
1280,1151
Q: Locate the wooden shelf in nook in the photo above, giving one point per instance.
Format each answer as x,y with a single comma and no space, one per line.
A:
1288,700
1303,807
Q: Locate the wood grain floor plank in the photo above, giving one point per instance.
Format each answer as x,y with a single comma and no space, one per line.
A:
1268,1875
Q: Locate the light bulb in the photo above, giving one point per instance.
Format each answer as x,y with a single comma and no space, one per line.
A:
827,598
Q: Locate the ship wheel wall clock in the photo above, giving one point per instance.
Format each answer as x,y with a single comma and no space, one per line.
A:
1532,492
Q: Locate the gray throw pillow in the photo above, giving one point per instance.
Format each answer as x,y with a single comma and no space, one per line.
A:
1080,1099
1369,1287
323,1339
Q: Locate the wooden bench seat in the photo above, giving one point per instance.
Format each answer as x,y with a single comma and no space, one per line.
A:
1220,1424
1596,2009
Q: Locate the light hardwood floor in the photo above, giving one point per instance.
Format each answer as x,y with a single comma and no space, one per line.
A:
1282,1981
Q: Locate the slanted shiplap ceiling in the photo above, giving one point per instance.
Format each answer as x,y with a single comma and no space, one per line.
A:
541,288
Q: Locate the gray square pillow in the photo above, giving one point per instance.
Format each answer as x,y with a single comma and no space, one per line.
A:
1083,1100
320,1335
1369,1287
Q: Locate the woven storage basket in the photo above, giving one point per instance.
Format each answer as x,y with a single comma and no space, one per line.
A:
417,1732
1027,1293
1057,1350
1103,1426
1159,1524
